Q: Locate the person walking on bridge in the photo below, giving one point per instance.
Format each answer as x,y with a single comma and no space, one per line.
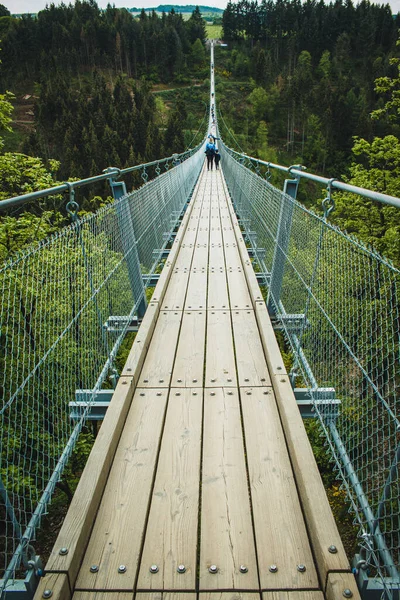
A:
217,158
210,151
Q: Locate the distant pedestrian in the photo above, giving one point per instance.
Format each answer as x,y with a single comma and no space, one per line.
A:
217,158
210,151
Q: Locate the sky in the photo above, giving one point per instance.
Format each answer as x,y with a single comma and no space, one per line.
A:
33,6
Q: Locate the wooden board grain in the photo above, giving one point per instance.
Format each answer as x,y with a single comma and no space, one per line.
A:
337,583
227,538
238,293
57,583
294,595
220,356
318,515
276,366
166,596
174,298
137,353
189,360
251,364
217,290
157,368
196,296
229,596
120,522
77,525
280,531
103,596
171,535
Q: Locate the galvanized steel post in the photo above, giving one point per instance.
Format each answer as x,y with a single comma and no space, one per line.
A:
128,241
282,242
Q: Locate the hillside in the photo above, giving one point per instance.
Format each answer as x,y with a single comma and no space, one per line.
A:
189,8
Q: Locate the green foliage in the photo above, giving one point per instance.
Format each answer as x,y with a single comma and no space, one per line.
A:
21,174
6,109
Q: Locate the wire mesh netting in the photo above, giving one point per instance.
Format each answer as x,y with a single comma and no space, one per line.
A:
346,302
56,299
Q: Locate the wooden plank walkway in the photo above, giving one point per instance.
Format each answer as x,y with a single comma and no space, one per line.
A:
202,484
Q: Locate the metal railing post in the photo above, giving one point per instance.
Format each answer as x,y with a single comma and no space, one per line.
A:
282,242
129,245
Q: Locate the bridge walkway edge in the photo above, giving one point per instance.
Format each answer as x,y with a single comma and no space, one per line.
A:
202,427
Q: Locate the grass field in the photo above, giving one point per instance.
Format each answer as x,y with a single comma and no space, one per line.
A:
214,32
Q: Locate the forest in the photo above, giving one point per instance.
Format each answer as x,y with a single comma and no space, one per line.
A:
317,84
299,83
310,83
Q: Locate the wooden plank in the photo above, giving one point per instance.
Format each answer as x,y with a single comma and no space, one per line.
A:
57,583
182,232
227,538
229,596
119,527
220,357
251,364
317,512
78,523
159,361
196,297
294,595
276,365
200,257
337,583
189,361
103,596
216,258
238,292
141,343
232,256
171,536
281,535
175,296
217,291
166,596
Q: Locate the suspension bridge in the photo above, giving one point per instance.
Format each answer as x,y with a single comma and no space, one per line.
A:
201,482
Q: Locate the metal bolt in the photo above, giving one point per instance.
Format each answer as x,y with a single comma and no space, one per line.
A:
154,569
213,569
194,380
279,368
347,593
332,549
122,569
213,380
194,393
243,569
94,568
273,568
124,383
161,380
212,393
179,380
246,379
145,381
181,569
158,393
301,568
63,551
248,393
47,594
